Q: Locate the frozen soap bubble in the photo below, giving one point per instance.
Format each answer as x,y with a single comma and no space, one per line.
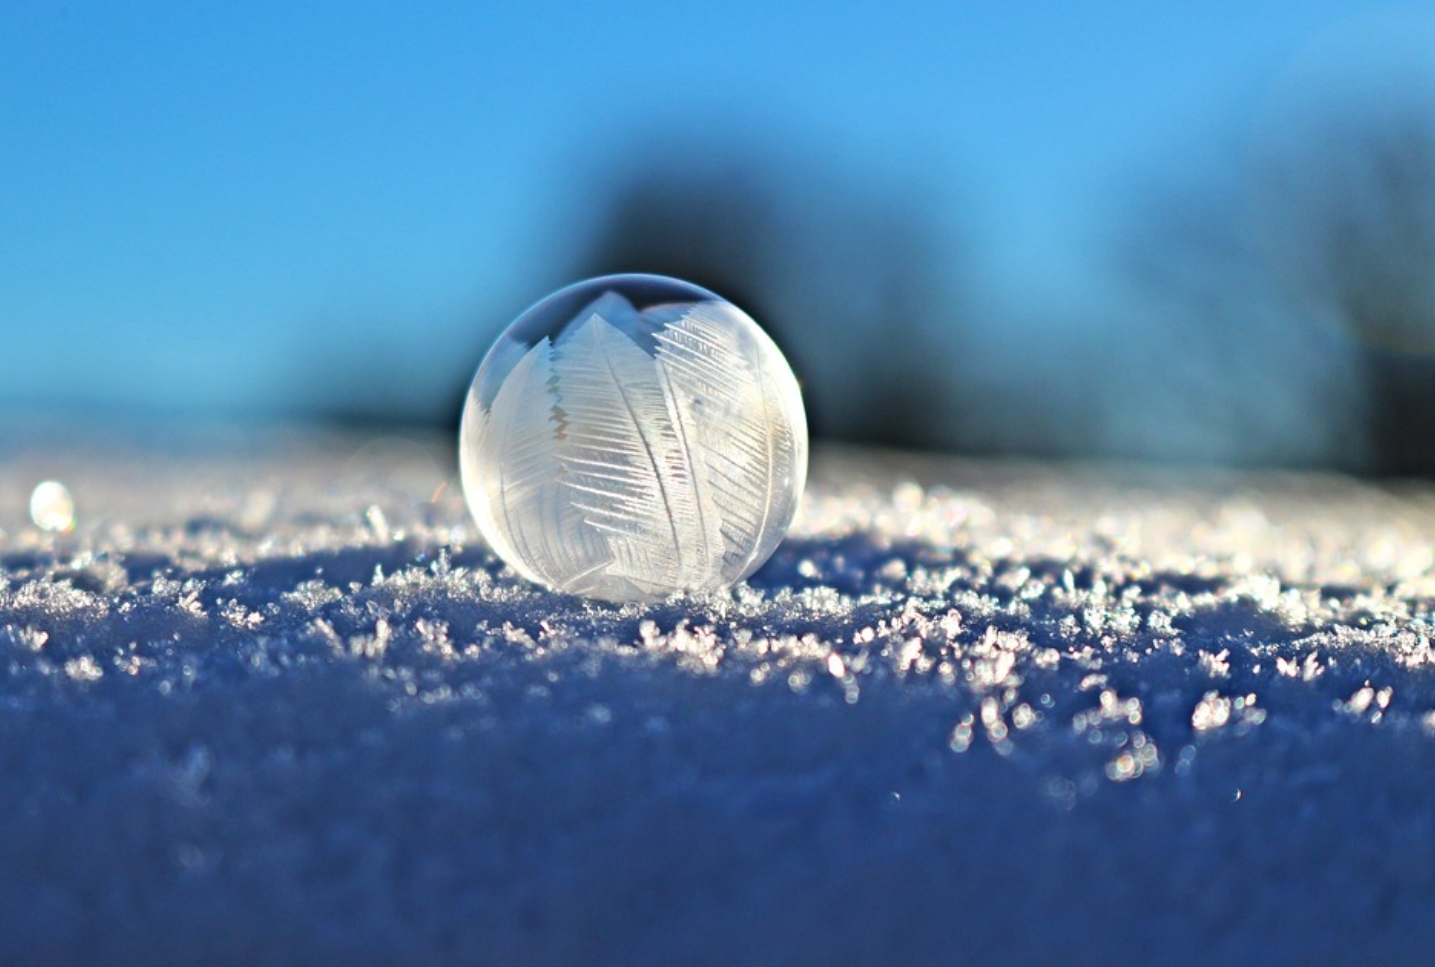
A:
633,436
51,507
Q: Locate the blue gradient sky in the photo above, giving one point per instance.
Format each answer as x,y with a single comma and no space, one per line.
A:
199,204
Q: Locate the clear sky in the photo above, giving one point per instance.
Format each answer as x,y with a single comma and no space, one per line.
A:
199,203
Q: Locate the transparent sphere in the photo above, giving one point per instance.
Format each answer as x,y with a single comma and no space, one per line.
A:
633,436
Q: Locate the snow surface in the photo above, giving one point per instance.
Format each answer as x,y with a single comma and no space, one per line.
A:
273,702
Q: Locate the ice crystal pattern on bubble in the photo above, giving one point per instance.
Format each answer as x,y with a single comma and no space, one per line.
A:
605,468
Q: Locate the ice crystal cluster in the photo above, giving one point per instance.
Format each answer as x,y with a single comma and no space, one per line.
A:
269,700
634,436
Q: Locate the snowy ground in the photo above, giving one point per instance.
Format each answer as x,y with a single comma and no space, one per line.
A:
273,702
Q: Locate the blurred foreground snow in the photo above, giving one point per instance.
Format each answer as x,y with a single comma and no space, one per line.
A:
273,702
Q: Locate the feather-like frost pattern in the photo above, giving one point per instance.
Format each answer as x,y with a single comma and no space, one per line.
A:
628,455
746,444
546,534
628,462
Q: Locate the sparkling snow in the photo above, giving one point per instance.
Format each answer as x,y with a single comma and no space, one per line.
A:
270,700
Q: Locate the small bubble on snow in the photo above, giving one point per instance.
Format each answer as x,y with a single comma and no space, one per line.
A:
51,507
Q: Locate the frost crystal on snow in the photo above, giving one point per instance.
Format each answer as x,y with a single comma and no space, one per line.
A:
634,436
230,698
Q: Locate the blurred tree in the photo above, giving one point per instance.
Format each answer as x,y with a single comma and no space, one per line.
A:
851,283
1346,214
1218,363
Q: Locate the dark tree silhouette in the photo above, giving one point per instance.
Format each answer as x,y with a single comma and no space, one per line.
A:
846,280
1347,217
1221,363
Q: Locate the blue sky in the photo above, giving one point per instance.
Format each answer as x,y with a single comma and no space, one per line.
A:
198,202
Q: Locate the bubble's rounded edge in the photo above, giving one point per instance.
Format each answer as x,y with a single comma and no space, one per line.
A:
648,278
790,391
475,497
507,343
621,282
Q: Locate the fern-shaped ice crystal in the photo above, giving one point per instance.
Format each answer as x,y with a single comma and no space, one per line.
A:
628,454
